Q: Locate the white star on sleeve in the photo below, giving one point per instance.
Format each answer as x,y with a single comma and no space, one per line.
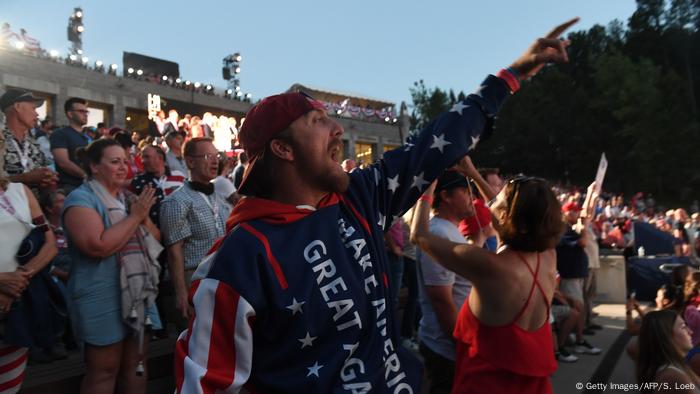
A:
419,182
439,142
458,107
313,370
296,306
307,341
475,140
393,183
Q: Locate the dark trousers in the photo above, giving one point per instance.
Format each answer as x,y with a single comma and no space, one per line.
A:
440,371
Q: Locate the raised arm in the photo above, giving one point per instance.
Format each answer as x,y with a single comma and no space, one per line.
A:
400,177
468,261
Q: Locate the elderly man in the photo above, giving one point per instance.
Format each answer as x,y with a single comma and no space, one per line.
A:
191,219
173,157
158,176
296,298
24,160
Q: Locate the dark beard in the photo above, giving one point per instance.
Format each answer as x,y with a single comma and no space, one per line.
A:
332,182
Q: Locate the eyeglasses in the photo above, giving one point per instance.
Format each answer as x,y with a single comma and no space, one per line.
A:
207,156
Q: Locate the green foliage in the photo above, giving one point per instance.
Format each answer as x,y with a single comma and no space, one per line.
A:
629,91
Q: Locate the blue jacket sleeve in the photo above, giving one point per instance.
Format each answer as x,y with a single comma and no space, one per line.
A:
397,180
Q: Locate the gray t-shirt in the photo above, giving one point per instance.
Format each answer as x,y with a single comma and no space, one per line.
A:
431,273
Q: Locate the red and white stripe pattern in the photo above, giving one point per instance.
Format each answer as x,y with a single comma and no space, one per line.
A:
13,362
215,354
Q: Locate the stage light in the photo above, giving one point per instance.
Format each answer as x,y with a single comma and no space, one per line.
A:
197,85
237,57
98,63
73,58
387,119
178,80
239,94
238,88
78,13
130,70
165,77
338,112
139,72
85,59
248,95
53,53
187,83
229,91
394,120
113,67
128,118
80,28
237,70
19,45
79,51
208,87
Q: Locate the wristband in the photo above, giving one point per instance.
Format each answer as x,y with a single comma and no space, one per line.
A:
510,80
426,198
515,73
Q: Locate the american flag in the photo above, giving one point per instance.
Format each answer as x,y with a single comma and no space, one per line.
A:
296,299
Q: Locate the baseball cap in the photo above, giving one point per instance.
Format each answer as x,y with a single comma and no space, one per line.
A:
265,120
481,219
450,180
570,206
12,96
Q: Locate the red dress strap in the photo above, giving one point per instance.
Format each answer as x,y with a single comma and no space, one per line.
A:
535,282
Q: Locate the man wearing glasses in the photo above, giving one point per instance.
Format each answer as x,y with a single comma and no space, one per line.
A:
66,141
191,219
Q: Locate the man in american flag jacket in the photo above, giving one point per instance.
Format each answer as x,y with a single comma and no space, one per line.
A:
295,298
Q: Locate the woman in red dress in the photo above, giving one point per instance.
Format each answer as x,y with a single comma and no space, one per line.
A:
502,334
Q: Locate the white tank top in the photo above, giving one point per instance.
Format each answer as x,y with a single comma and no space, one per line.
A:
13,227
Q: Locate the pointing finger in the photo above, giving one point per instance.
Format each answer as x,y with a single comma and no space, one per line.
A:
557,31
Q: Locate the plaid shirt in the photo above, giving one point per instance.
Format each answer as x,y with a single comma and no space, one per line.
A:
185,215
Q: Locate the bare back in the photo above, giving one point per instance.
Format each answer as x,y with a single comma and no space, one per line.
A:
511,292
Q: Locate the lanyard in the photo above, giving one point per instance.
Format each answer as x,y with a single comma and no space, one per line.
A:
5,203
214,208
23,152
7,206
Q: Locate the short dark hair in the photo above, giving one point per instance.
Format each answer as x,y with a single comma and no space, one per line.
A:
533,216
190,147
68,105
157,148
92,154
47,198
101,125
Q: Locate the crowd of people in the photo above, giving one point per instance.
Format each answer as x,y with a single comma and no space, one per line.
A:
284,271
125,221
614,216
